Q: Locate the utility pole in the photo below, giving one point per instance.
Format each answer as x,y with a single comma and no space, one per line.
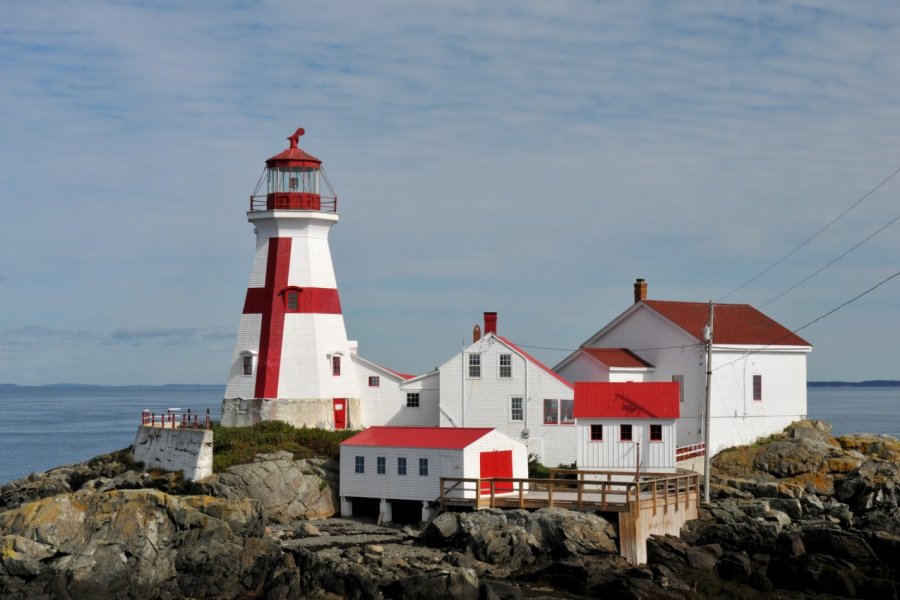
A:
708,337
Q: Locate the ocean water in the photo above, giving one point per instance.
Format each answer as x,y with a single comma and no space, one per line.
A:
45,427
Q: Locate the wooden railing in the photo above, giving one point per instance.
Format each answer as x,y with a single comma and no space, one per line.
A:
175,419
688,452
587,490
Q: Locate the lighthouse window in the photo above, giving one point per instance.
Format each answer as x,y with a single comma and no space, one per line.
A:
247,364
293,300
336,366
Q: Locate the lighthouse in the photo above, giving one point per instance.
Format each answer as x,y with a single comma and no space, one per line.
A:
292,360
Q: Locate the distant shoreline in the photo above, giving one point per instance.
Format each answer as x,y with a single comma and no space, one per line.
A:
874,383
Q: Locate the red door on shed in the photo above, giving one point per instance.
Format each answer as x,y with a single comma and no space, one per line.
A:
340,413
497,463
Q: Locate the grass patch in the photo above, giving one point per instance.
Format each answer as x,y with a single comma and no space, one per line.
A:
238,445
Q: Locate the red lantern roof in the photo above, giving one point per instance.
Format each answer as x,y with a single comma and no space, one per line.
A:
294,156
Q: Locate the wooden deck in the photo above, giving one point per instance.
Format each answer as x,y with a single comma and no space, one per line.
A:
653,503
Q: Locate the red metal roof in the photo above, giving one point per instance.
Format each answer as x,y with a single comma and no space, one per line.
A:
632,400
418,437
294,157
734,323
536,362
617,357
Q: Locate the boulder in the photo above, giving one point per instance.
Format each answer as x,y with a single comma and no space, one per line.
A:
288,489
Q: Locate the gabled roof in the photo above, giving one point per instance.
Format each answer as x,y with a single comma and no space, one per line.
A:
382,368
533,360
618,357
649,400
418,437
738,324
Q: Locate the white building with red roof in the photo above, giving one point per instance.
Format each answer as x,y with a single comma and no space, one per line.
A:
758,366
407,463
627,427
494,383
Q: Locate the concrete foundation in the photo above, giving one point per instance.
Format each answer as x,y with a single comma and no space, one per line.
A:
187,450
385,511
346,507
299,412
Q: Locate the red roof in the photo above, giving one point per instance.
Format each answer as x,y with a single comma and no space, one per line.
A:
734,323
536,362
418,437
632,400
617,357
294,157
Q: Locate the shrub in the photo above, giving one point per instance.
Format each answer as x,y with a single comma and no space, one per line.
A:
238,445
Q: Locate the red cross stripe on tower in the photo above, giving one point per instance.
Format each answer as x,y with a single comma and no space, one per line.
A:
270,301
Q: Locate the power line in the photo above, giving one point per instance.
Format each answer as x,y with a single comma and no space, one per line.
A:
802,281
811,238
629,349
816,320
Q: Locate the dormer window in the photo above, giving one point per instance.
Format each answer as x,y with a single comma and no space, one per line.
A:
291,299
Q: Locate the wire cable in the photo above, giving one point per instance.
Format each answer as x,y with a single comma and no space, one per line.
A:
811,238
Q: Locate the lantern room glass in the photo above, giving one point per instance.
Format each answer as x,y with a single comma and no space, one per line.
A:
293,179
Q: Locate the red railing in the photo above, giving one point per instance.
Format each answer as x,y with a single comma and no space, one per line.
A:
689,452
175,419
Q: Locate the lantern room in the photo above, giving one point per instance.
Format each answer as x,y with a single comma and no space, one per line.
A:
294,180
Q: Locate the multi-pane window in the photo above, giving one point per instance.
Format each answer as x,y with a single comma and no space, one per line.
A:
412,399
625,433
336,366
374,381
380,465
247,364
596,432
656,433
360,464
567,412
506,365
679,379
551,411
423,467
293,300
516,409
401,465
757,387
474,365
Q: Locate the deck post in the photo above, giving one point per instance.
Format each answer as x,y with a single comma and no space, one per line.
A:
654,497
492,492
580,492
550,491
521,494
442,494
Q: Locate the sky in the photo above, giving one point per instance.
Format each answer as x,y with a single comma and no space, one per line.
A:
529,158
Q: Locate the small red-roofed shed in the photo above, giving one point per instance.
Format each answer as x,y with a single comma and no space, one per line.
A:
407,463
626,426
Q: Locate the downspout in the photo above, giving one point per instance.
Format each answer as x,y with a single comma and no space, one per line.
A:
525,400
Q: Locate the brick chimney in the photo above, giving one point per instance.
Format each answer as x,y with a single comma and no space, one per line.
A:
640,290
490,323
476,333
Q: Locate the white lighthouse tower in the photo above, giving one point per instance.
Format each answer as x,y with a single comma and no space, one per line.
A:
292,358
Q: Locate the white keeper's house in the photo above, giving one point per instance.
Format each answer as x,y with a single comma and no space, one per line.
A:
494,383
407,463
758,366
628,427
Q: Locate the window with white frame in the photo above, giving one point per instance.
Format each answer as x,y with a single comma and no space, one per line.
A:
381,465
596,432
625,433
412,399
516,408
475,365
551,411
401,465
505,365
656,433
679,379
360,465
566,412
423,467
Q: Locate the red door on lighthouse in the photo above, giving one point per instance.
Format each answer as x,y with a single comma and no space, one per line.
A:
497,463
340,413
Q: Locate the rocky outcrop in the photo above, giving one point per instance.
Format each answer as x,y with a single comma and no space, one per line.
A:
288,489
120,544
